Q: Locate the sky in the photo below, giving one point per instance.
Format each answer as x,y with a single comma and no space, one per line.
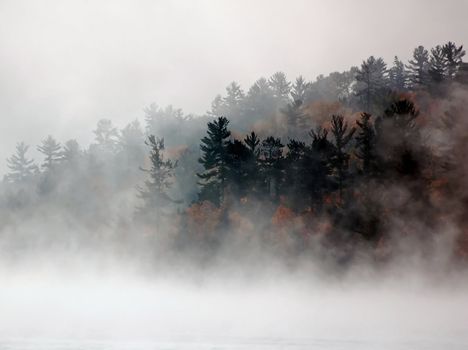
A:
66,64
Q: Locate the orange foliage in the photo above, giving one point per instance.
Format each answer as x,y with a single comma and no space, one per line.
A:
203,218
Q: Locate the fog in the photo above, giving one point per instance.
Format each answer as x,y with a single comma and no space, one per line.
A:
46,309
173,209
66,65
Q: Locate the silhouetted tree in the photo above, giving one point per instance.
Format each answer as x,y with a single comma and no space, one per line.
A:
371,81
453,56
214,161
271,161
418,68
397,75
365,144
437,65
340,157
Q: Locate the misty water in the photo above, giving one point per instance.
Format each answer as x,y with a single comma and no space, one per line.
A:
42,307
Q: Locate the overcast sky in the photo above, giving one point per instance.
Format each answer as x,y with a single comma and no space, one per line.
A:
66,64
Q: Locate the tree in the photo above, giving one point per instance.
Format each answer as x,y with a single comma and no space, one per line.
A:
418,68
317,168
453,56
238,173
106,135
252,142
295,118
339,160
271,160
371,82
214,161
21,168
397,75
437,65
154,194
71,151
365,144
280,87
51,150
299,89
397,138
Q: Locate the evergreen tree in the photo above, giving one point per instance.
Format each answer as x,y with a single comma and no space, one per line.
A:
238,156
397,75
154,194
371,81
299,89
340,157
280,86
295,118
453,56
316,171
271,160
21,168
365,144
252,143
106,135
437,65
418,68
214,161
51,150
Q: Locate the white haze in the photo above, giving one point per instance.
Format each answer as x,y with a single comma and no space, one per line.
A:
97,307
66,64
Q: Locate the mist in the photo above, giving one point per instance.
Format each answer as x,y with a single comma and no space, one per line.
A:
233,175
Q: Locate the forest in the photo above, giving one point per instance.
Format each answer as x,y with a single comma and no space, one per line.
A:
368,163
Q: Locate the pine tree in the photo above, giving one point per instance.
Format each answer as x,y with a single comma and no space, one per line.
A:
340,157
397,75
106,135
453,56
371,82
418,68
154,194
271,160
21,168
299,89
437,65
280,87
238,156
252,143
51,150
365,144
214,160
317,169
71,151
295,118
